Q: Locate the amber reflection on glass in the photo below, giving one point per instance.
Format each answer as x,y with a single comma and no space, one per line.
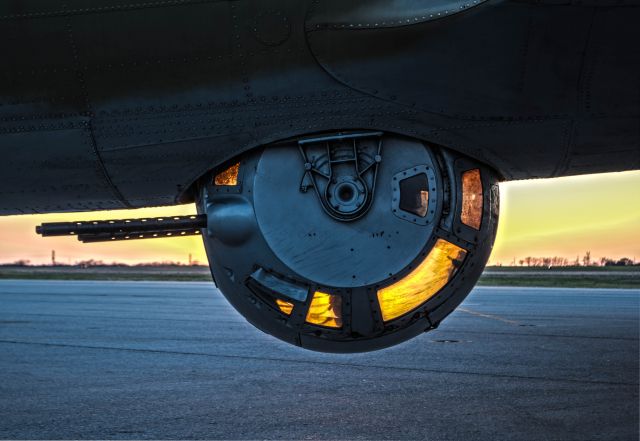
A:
229,176
284,307
423,282
325,310
471,214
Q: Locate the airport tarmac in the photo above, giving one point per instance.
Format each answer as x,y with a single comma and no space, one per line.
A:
133,360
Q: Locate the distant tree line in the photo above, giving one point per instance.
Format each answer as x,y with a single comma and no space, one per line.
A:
625,261
529,261
91,263
586,260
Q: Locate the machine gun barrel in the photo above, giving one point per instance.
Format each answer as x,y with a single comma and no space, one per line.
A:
126,229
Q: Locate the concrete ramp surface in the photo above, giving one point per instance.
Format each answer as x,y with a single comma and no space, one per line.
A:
133,360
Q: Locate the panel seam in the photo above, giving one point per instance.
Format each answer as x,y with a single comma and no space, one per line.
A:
97,10
89,114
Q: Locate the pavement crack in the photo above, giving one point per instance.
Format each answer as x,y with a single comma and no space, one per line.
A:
325,363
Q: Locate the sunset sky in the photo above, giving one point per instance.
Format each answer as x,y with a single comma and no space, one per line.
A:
552,217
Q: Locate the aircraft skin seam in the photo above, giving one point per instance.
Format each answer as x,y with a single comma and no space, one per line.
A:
569,134
116,192
586,70
43,128
194,132
192,108
388,96
88,126
106,9
582,99
407,21
363,90
496,121
132,66
439,136
39,117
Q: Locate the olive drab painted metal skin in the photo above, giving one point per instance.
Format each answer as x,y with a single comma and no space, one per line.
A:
340,132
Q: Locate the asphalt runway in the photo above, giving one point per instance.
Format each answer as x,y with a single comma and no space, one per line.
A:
134,360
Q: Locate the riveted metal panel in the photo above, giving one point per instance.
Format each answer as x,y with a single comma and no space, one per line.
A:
70,177
362,14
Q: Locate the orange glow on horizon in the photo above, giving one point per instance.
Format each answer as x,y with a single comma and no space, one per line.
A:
552,217
566,217
20,241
